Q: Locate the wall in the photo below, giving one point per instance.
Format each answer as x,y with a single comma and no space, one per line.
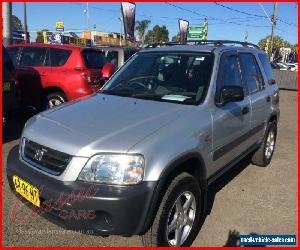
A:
286,79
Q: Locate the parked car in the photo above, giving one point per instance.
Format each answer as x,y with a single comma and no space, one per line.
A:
165,126
274,65
293,66
9,98
283,66
50,75
118,55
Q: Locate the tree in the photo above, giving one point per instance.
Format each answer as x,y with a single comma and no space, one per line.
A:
176,38
17,24
40,36
158,34
278,42
141,27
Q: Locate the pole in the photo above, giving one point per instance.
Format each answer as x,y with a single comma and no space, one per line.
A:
121,28
88,15
25,23
274,17
7,23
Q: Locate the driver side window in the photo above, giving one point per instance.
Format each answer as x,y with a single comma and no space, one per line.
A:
229,72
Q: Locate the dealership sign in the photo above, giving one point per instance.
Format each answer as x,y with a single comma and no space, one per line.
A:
195,33
59,26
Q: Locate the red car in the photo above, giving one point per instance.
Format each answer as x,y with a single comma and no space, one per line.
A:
49,75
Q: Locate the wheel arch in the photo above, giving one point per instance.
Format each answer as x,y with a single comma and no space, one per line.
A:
273,117
53,89
191,163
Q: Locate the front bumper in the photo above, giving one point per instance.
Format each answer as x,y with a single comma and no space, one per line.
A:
100,209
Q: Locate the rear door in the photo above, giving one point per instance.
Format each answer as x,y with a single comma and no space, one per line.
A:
58,74
94,61
32,74
231,124
258,94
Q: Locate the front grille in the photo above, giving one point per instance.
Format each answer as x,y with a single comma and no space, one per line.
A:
44,158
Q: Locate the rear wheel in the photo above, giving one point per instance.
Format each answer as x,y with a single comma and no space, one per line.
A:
54,99
178,217
263,156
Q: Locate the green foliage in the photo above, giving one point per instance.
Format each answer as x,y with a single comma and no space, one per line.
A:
158,34
16,24
176,38
40,37
278,42
141,27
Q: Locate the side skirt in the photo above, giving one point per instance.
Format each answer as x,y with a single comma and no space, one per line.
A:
223,170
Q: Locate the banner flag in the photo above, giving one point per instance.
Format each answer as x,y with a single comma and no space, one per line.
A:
128,14
183,30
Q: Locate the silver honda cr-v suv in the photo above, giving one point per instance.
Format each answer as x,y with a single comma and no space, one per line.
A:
138,157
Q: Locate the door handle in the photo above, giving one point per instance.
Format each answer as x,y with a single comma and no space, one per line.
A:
43,73
245,110
268,98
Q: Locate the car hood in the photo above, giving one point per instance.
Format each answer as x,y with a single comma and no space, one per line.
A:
101,123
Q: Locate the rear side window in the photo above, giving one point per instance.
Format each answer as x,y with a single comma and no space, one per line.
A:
251,73
113,57
13,54
229,73
266,66
59,57
93,59
32,56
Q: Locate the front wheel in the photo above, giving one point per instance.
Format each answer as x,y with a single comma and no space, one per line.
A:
178,217
55,99
263,156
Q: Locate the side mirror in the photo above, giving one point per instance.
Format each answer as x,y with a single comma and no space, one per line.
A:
107,71
230,94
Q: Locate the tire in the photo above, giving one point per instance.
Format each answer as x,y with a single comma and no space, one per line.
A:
261,157
54,99
182,189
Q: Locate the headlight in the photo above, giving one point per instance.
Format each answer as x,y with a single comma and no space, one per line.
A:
119,169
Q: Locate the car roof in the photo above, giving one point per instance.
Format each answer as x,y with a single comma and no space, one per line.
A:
197,48
44,45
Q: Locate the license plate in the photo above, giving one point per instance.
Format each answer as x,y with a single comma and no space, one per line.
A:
28,191
6,87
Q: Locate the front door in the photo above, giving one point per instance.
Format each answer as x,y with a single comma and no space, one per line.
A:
231,122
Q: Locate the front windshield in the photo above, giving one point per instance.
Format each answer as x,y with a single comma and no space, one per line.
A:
170,77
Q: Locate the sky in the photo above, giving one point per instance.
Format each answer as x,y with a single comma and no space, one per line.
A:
223,23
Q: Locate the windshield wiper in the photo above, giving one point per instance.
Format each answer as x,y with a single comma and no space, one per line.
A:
147,96
116,92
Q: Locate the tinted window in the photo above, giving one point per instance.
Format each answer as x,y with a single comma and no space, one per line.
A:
93,59
32,56
13,53
266,65
251,73
229,73
112,57
59,56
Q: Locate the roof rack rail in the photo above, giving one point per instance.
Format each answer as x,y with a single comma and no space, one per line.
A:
163,44
204,42
223,42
